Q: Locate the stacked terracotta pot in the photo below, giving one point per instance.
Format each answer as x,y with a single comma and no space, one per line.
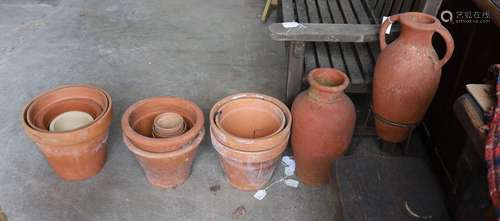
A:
164,134
70,127
249,131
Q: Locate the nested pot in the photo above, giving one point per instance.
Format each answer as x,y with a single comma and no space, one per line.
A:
407,74
166,161
249,131
78,153
168,169
324,119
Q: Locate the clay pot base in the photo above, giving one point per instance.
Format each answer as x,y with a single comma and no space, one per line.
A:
169,169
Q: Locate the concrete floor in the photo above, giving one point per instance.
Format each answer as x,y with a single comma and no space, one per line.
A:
200,50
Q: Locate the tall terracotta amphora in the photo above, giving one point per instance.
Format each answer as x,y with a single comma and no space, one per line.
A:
407,74
323,123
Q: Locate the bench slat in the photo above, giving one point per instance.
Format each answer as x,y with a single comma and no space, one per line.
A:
396,7
361,49
288,10
378,9
309,60
406,6
387,8
353,69
321,51
334,48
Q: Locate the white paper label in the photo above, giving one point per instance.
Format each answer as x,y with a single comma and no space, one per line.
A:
292,183
388,30
260,194
289,171
290,24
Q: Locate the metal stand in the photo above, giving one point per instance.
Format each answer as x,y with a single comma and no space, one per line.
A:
411,127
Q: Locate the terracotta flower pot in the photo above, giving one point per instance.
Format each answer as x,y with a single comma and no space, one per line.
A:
168,125
168,169
407,74
166,161
249,135
74,154
137,123
324,119
250,122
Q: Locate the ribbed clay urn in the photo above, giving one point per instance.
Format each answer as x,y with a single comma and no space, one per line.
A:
323,124
166,161
407,74
249,131
74,148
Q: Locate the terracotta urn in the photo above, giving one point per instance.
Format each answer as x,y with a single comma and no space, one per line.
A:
249,131
79,151
407,74
324,119
166,161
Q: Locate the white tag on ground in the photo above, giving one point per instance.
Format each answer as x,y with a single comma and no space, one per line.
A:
290,24
260,194
289,162
292,183
388,30
289,171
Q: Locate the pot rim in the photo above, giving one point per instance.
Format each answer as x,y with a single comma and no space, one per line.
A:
188,135
175,153
245,143
107,108
248,156
405,20
281,116
311,78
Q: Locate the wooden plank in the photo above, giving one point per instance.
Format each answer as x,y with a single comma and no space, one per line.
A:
470,116
322,57
352,66
333,48
378,9
396,7
417,5
288,10
387,8
309,54
325,32
363,55
431,7
295,70
406,6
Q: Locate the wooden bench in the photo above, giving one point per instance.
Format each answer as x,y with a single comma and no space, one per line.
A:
337,33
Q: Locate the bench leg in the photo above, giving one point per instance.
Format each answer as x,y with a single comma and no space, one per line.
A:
295,70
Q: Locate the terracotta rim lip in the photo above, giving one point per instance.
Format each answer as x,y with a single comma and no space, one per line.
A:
257,156
246,141
281,127
133,135
330,72
163,155
106,110
419,25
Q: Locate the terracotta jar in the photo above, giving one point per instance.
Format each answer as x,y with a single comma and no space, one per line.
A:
407,74
166,161
78,153
249,131
324,119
